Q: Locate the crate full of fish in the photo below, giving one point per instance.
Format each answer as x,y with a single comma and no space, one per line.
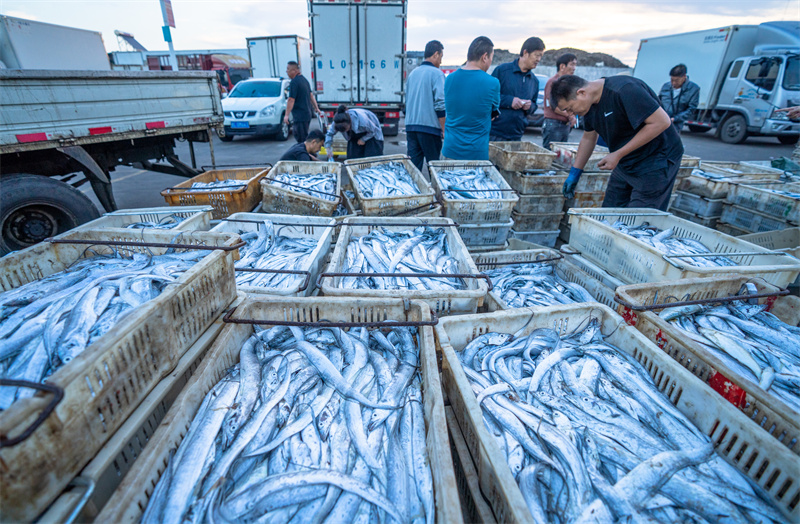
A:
709,222
540,204
713,184
698,205
565,154
537,221
746,350
101,316
472,192
738,169
645,245
775,199
751,220
419,254
284,253
538,277
388,185
302,188
228,191
520,156
539,238
189,218
573,416
302,423
485,234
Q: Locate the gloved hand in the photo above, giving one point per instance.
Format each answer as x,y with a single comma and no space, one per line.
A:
572,182
330,155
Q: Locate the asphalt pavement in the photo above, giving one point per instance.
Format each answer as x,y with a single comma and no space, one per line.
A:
135,188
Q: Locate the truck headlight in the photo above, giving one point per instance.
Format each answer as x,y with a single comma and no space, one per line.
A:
776,115
268,111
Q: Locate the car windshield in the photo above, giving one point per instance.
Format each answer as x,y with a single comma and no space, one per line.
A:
791,78
256,90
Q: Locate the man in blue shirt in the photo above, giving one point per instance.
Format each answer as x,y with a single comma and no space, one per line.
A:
518,90
425,107
471,97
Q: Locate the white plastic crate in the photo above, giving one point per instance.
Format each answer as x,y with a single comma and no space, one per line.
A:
485,234
480,210
529,204
318,228
520,156
737,169
787,240
195,218
750,220
592,269
566,151
634,262
763,198
718,187
698,205
710,222
390,206
537,221
286,200
541,238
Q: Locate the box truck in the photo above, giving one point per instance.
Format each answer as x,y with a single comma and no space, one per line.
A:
359,52
745,73
270,54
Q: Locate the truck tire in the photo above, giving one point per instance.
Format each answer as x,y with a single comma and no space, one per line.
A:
226,138
283,134
788,139
34,207
698,129
733,129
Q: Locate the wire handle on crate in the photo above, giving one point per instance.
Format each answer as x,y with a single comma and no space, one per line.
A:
124,243
408,275
378,162
218,189
404,224
336,197
228,318
680,303
405,212
265,165
522,262
279,271
669,258
275,223
58,394
88,485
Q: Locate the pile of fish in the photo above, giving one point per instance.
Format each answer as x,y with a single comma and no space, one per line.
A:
312,424
666,242
46,323
320,185
421,250
386,180
790,194
470,184
717,176
589,438
268,249
168,222
218,185
750,340
527,285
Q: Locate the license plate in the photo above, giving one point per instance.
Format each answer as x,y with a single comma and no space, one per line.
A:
240,125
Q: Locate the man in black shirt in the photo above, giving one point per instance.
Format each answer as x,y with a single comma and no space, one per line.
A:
646,149
308,150
300,102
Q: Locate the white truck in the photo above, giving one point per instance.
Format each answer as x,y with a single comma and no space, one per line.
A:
60,129
745,73
270,54
359,52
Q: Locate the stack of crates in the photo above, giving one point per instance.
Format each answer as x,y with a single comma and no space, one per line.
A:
527,168
761,207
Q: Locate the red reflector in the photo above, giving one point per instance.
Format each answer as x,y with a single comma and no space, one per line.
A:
155,125
392,115
32,137
99,130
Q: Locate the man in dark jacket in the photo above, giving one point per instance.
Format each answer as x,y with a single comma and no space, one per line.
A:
679,97
518,90
306,151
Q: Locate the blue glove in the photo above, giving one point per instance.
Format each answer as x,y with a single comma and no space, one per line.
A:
572,182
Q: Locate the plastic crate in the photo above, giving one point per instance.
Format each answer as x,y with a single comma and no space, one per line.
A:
291,226
225,201
485,234
698,205
441,301
635,262
763,460
717,188
759,197
473,250
751,221
535,181
583,199
131,497
787,240
536,221
540,238
473,211
195,218
105,383
566,151
728,229
709,222
767,412
540,204
690,161
390,206
520,156
562,267
593,270
738,169
288,201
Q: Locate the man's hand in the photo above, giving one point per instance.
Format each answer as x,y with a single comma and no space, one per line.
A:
330,156
517,103
527,105
286,119
361,142
572,121
791,112
609,162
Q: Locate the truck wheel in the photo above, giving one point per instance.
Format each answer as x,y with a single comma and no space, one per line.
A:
733,130
697,129
283,133
226,138
34,207
788,139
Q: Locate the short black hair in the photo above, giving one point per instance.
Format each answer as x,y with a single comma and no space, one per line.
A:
433,47
479,47
315,134
532,44
341,119
293,63
678,70
565,59
565,88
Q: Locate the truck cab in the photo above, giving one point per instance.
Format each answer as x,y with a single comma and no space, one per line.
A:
754,88
256,107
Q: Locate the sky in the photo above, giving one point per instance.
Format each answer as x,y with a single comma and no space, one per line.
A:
596,26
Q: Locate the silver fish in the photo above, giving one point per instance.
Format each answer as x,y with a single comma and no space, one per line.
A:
469,184
319,185
527,285
386,180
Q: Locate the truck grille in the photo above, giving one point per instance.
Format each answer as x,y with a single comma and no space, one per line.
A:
239,114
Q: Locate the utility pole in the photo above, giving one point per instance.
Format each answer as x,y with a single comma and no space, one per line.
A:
169,21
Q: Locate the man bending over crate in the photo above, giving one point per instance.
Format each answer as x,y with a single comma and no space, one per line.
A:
646,149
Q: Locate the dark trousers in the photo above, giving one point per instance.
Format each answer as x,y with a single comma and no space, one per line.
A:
372,147
423,146
554,131
651,189
300,130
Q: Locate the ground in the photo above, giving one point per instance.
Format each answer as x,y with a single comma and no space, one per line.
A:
139,188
